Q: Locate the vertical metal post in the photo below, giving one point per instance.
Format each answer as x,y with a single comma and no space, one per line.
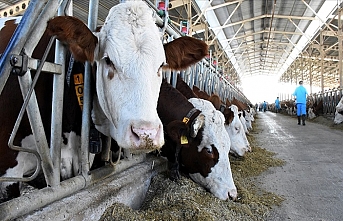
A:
340,48
57,105
311,69
322,61
86,113
39,18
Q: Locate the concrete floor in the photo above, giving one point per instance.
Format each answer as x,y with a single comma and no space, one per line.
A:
311,181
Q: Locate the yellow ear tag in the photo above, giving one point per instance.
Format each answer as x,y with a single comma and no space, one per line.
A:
185,120
184,140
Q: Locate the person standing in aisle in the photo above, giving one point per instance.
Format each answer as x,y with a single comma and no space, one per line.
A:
264,106
277,105
300,95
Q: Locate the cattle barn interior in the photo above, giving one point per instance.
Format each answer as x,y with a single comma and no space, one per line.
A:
291,40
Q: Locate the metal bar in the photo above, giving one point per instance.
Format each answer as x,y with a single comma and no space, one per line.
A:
33,64
27,203
340,48
52,175
57,107
86,115
314,12
30,103
227,21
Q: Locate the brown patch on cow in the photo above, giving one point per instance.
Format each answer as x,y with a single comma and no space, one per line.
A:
201,94
215,100
76,35
110,75
195,162
6,33
239,104
228,103
184,51
176,129
184,88
229,115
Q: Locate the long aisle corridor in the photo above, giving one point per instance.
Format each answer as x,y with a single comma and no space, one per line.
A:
311,181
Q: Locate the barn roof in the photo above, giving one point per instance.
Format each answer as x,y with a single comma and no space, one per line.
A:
281,38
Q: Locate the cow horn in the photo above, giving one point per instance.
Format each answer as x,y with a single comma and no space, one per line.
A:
197,124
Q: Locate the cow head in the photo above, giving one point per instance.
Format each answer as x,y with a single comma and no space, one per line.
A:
129,56
209,163
235,129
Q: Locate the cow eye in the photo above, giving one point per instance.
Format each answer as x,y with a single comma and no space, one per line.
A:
209,150
108,60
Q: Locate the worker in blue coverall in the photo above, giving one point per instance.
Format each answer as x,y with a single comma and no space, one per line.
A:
300,94
277,104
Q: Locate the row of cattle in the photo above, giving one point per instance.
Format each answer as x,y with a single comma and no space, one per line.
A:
132,103
314,108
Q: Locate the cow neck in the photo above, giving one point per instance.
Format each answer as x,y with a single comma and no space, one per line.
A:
172,105
184,88
191,115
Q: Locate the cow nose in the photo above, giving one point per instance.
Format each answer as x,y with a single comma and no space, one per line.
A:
148,136
248,148
233,194
145,132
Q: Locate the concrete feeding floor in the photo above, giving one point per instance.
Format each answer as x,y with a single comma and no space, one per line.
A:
311,181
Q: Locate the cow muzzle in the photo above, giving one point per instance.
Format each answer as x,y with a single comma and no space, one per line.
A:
146,138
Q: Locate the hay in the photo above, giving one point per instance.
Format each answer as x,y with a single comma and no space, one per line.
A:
186,200
327,121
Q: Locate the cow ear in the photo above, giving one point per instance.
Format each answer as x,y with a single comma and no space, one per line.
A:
229,115
177,131
76,35
184,51
197,124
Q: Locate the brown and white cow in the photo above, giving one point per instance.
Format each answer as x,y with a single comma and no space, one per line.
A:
129,58
196,141
233,126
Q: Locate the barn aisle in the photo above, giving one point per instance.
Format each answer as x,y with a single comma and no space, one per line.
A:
311,181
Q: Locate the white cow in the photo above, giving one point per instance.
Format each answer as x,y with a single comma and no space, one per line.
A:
339,112
311,114
242,119
249,118
219,181
129,56
235,129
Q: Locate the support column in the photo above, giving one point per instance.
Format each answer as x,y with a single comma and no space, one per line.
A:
340,48
322,54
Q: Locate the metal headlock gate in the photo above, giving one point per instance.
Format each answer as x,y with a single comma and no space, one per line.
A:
330,100
25,38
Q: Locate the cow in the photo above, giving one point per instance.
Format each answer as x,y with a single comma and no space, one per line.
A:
196,141
239,142
235,129
311,115
339,112
318,108
129,57
241,106
242,112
